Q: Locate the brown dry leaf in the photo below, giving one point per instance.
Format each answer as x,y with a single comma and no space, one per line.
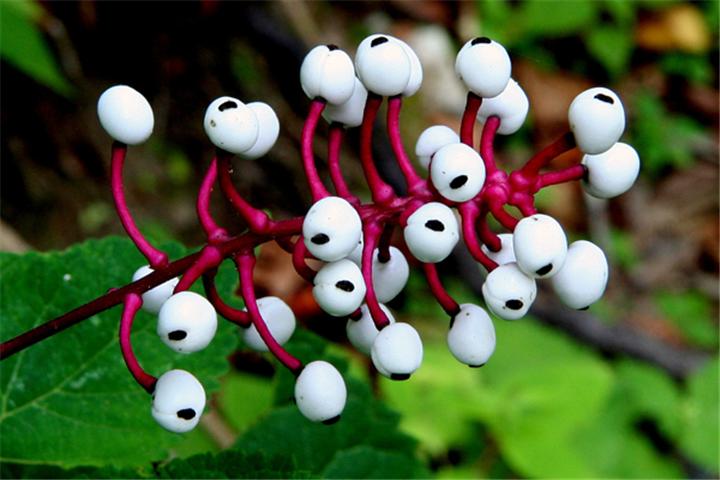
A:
681,27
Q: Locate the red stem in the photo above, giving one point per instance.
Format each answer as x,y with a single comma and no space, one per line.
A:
382,193
214,233
372,232
132,304
234,315
467,125
486,144
576,172
334,141
156,258
414,182
448,304
470,213
299,254
210,257
542,158
316,186
258,221
245,264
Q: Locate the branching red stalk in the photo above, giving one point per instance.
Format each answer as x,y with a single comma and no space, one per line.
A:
258,221
416,185
214,233
448,304
316,186
335,137
467,125
132,304
382,193
233,315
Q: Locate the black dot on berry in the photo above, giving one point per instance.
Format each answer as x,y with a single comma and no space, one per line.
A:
480,40
399,376
544,270
345,285
584,308
177,335
435,225
320,239
379,41
476,366
332,47
227,105
458,181
604,98
186,413
332,420
514,304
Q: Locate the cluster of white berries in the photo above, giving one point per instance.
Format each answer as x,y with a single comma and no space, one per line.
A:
334,229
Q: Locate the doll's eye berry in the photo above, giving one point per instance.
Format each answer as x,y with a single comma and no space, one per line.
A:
345,285
477,40
186,413
177,335
227,105
544,270
458,182
320,239
514,304
604,98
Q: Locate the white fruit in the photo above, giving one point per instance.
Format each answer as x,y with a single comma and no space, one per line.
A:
457,172
509,292
397,351
597,120
125,115
332,229
339,288
431,140
583,278
387,66
432,232
351,112
511,106
611,173
506,254
178,401
389,278
278,317
187,322
154,298
268,130
471,338
484,66
231,125
329,73
540,245
320,392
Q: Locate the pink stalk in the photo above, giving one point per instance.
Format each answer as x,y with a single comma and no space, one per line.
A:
382,193
414,182
542,158
214,233
467,125
384,243
246,264
487,236
299,254
448,304
210,257
334,141
234,315
132,304
156,258
576,172
258,221
497,208
316,186
372,232
486,143
469,213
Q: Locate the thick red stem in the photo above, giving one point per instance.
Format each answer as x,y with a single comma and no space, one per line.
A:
258,221
382,193
414,182
214,233
448,304
467,125
316,186
132,304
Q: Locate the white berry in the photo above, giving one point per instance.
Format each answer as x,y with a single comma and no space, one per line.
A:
471,338
431,140
457,172
583,278
268,130
231,125
278,317
540,245
125,114
597,120
329,73
154,298
397,351
484,66
506,254
320,392
389,278
362,332
511,106
432,232
187,322
350,113
332,229
178,401
509,292
387,66
339,288
611,173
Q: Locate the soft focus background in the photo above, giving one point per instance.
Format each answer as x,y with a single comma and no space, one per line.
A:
628,389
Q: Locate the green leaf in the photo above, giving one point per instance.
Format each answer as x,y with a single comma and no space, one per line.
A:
692,313
700,437
367,462
612,47
22,45
556,18
70,400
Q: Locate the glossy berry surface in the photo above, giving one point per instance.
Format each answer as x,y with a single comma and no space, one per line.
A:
597,119
432,232
540,245
231,125
484,66
178,401
331,229
125,114
397,351
278,317
471,337
611,173
509,292
320,392
362,331
187,322
153,299
583,278
339,288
